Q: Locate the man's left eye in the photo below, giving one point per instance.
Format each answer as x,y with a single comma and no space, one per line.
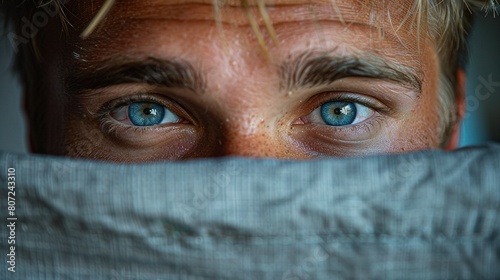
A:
339,113
144,114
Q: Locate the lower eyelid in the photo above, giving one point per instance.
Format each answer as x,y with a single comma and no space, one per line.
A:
175,138
111,127
111,124
353,132
357,132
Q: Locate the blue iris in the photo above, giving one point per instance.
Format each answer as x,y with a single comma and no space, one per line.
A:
338,113
146,113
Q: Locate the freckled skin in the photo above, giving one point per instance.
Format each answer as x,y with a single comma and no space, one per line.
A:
243,111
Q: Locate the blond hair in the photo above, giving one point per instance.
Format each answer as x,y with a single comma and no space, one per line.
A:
446,23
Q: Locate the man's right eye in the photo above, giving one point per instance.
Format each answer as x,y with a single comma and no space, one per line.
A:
144,114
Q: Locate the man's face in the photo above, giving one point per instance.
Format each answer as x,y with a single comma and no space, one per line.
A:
165,79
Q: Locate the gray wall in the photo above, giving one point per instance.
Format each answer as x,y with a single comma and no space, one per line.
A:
481,124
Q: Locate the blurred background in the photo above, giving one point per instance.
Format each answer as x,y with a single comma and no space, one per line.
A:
481,124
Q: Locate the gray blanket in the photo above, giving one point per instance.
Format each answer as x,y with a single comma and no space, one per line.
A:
426,215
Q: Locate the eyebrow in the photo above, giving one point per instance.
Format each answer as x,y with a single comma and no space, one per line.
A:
309,69
172,73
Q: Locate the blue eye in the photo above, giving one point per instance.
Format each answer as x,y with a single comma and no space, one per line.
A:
338,113
149,113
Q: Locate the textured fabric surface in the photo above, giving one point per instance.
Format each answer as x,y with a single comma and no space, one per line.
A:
427,215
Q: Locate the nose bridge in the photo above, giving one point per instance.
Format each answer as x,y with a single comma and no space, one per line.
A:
249,136
244,83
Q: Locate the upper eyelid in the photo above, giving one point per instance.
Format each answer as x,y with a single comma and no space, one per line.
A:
370,102
129,99
353,99
344,100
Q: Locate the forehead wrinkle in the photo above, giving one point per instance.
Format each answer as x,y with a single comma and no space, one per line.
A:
387,35
234,3
229,15
201,10
178,11
272,3
182,9
235,17
354,11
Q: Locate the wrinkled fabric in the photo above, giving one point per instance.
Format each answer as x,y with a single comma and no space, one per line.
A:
426,215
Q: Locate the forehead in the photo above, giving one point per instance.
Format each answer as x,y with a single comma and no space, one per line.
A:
222,36
387,14
129,20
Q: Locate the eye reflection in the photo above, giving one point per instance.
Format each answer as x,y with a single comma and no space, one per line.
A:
339,113
144,114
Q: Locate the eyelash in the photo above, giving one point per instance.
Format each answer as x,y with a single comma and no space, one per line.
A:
350,98
380,109
109,125
343,97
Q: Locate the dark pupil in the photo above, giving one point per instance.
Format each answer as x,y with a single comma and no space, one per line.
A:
147,111
337,111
